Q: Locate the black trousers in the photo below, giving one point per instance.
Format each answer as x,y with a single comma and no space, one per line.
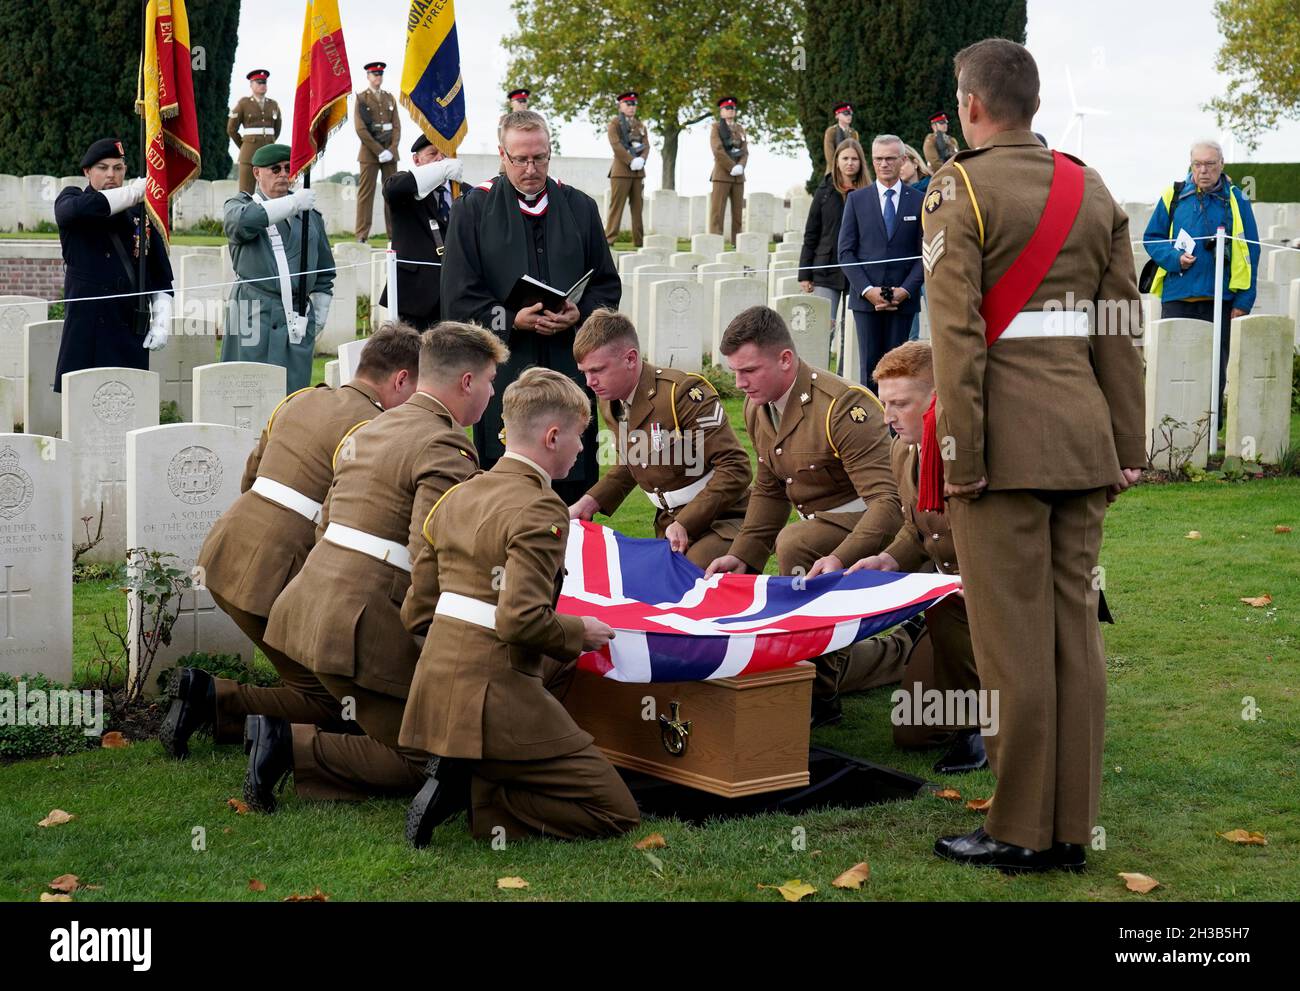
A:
1181,309
878,333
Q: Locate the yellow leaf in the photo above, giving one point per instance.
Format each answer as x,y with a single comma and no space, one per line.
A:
1281,529
315,896
1245,838
47,897
57,817
1139,882
853,877
255,885
654,841
1193,534
792,891
66,883
951,794
980,804
240,806
114,741
1259,601
511,883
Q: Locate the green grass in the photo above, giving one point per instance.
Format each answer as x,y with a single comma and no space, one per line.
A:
1181,765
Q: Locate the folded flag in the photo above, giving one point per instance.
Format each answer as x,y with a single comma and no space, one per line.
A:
672,624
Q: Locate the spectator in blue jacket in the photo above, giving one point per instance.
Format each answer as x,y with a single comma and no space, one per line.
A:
1202,203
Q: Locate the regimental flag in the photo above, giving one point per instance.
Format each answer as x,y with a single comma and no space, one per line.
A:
672,624
165,97
320,105
433,91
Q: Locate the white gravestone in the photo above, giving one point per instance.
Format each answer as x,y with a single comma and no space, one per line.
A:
1293,308
659,242
239,394
378,279
36,556
99,406
341,324
193,204
200,297
697,218
1258,426
707,245
11,197
16,312
730,297
1178,355
349,359
676,323
753,242
180,478
760,210
332,374
191,344
643,279
40,411
7,406
1283,266
744,265
39,194
809,320
686,261
777,269
662,216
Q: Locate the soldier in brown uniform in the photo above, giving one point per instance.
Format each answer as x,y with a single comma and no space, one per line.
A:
841,130
673,440
380,131
516,99
730,155
939,147
1040,424
478,699
823,450
259,117
631,143
259,543
341,616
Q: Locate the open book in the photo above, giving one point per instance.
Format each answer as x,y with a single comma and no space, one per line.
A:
528,291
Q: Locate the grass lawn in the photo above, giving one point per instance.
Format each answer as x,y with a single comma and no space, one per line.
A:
1181,765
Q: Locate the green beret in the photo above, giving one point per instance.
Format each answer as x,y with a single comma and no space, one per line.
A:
271,155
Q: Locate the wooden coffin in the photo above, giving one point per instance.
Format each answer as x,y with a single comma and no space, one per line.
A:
745,735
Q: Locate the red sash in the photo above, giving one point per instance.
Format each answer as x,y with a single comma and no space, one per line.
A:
1008,298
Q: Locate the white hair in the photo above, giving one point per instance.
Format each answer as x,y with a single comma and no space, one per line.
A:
1207,143
884,139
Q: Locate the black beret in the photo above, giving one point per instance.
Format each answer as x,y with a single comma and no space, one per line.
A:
101,149
420,144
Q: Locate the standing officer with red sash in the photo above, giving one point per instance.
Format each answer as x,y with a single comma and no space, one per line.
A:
1039,425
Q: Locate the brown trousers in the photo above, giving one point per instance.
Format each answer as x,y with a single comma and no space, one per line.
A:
246,182
722,191
301,698
1027,560
713,543
942,660
624,191
366,196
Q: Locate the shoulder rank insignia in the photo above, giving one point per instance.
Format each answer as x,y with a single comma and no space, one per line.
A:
857,414
696,394
933,199
556,530
804,397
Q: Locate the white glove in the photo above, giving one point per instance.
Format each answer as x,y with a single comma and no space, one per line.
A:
297,324
385,157
124,197
429,177
638,164
738,169
320,309
458,169
160,320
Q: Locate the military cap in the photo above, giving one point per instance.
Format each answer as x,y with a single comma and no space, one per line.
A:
420,144
727,101
629,97
378,67
102,149
271,155
519,94
939,118
258,75
844,107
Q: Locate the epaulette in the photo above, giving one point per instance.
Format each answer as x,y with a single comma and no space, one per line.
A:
424,527
695,394
271,419
334,461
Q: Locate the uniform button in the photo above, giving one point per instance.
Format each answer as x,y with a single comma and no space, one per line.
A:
789,481
643,466
539,251
778,450
936,536
761,461
947,564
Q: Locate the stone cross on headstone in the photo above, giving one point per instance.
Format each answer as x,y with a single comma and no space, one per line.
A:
190,614
9,592
1186,386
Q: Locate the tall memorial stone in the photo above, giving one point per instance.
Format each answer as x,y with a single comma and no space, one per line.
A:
1178,355
38,408
1258,422
16,312
240,394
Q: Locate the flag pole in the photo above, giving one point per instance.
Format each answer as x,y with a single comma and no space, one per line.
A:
142,301
300,302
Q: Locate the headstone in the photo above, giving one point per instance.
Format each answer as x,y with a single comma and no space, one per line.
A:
662,215
760,210
180,478
40,411
642,279
349,359
730,297
11,196
16,312
1178,355
653,254
193,205
339,215
659,242
192,343
1271,298
239,394
778,268
753,242
200,297
7,406
686,261
809,319
332,378
1258,400
676,322
707,245
222,190
797,218
378,280
786,286
1293,308
100,405
744,265
1283,266
341,324
36,556
39,194
697,216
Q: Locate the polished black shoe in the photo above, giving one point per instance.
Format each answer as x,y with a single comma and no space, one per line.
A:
965,754
914,627
444,793
193,707
1070,857
825,712
979,849
268,741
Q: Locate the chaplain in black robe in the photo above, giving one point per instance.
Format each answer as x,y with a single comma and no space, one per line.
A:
523,222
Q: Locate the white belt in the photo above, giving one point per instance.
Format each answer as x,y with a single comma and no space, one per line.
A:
858,505
385,127
248,131
282,495
1049,323
469,610
679,497
367,543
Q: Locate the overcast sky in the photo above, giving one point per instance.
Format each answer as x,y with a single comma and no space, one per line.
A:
1150,66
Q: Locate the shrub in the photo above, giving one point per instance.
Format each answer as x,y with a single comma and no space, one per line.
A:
26,742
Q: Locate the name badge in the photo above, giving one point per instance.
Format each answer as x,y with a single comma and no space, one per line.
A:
909,218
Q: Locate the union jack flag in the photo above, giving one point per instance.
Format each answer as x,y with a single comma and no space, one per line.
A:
672,624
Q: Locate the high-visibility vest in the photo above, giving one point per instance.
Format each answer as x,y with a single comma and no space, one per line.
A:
1239,272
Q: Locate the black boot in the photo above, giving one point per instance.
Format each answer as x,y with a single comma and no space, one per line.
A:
825,711
914,627
268,741
964,755
979,849
1070,857
444,793
193,707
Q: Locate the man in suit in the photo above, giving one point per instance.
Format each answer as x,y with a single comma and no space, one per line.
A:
730,156
882,221
1040,411
419,204
842,130
479,701
380,131
254,122
631,145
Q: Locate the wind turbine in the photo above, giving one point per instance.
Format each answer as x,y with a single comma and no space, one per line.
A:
1078,114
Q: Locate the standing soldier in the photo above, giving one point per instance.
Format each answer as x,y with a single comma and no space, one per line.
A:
939,148
260,542
516,99
631,144
842,130
259,117
380,132
1040,425
730,153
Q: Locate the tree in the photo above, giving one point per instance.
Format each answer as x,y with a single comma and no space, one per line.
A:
893,62
79,63
1261,53
578,55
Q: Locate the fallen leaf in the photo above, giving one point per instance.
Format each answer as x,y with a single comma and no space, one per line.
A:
114,741
315,896
1139,882
980,804
951,794
655,862
240,806
1193,534
66,883
1259,601
256,885
792,891
853,877
1244,837
47,897
1281,529
654,841
814,853
57,817
506,883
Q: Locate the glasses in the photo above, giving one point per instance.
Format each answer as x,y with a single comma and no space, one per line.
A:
1206,166
887,159
278,169
523,163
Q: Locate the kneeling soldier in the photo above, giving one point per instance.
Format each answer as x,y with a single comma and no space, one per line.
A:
673,440
478,701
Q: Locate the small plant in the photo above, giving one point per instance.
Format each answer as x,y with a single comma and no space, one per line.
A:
228,666
57,310
1288,460
169,412
25,738
363,314
1178,459
208,227
90,571
721,379
80,547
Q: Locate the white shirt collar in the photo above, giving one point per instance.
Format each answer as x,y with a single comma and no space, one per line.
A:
530,463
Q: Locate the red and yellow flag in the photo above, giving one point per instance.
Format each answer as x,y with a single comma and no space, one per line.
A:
320,106
165,97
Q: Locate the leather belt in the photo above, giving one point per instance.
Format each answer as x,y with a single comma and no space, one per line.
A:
367,543
858,505
467,609
289,498
249,131
1048,323
679,497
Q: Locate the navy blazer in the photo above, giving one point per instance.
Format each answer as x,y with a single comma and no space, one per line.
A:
863,241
